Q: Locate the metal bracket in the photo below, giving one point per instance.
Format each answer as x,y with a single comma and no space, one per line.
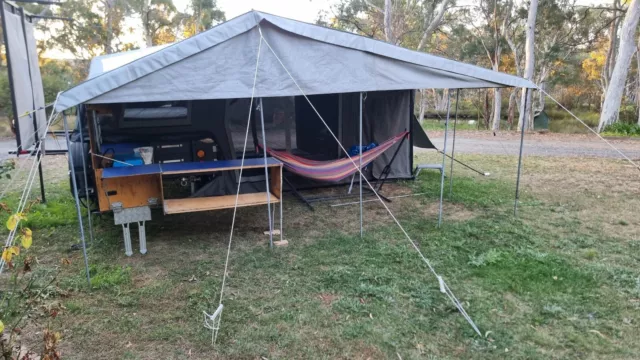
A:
116,207
126,217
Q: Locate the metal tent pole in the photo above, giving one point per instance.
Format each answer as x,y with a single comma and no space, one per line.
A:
360,164
453,145
339,124
84,172
77,200
444,157
266,173
522,130
281,204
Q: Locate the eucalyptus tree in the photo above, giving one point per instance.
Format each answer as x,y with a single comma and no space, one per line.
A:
488,21
96,29
615,90
201,15
409,23
155,16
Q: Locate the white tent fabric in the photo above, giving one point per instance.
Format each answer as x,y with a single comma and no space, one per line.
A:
105,63
219,64
25,73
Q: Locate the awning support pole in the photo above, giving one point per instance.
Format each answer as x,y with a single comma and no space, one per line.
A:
40,172
76,199
360,164
339,123
444,156
522,130
86,182
453,146
266,173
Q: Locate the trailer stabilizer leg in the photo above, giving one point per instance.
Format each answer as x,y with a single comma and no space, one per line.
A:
127,240
143,237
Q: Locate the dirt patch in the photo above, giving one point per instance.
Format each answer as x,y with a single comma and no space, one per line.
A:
328,299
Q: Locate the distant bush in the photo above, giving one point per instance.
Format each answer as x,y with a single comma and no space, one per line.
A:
622,129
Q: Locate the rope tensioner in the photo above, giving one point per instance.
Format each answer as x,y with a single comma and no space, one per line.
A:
212,322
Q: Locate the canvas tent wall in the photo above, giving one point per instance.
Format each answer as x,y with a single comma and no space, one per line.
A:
24,74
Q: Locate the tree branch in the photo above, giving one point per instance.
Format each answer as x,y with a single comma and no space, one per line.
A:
437,19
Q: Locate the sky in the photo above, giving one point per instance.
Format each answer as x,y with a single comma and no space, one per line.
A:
303,10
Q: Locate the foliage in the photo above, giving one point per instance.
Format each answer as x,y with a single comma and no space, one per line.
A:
156,17
622,129
24,291
56,75
6,167
5,98
96,27
203,15
410,19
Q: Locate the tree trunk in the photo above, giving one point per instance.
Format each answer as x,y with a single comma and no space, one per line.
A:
613,97
497,95
512,108
388,31
109,7
440,101
430,28
610,59
529,60
497,107
423,105
486,114
638,80
436,102
530,112
146,25
443,99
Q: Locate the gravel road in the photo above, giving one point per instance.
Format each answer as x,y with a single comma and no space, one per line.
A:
538,144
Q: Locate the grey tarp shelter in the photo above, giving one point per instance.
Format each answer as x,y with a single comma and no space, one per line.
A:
220,64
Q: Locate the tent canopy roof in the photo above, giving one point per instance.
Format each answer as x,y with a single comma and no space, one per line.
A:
221,63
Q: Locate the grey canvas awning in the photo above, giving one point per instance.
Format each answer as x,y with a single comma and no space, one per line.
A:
220,63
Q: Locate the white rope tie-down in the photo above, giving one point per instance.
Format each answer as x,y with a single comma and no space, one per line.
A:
636,165
32,154
444,288
212,321
28,185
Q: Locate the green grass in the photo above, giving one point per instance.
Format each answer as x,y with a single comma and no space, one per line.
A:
439,124
548,284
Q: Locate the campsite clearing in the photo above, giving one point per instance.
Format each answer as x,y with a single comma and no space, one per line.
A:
561,281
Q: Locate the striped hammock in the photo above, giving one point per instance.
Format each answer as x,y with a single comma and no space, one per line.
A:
331,170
